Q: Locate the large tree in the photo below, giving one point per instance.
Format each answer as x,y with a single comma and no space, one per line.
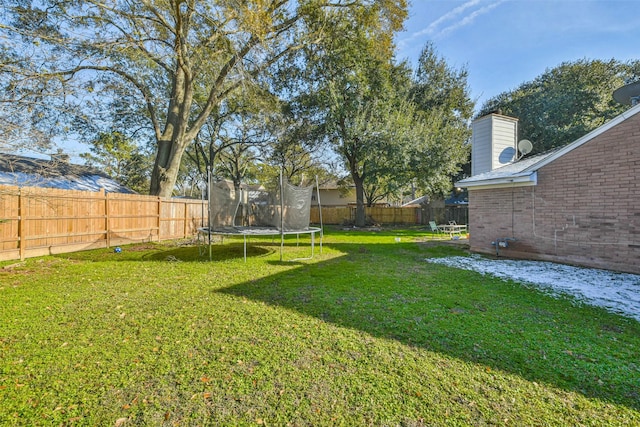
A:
178,59
234,137
390,128
341,79
565,102
441,93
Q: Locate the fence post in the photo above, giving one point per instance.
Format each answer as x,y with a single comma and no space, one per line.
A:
107,228
22,214
159,216
186,208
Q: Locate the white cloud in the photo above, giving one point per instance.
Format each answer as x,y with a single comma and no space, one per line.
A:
432,28
467,19
438,29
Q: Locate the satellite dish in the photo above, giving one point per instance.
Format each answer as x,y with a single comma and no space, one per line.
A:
524,147
628,94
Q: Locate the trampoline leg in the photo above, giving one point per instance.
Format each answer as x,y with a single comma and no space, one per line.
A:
245,248
313,242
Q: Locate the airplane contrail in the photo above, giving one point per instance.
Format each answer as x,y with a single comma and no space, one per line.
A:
447,16
468,19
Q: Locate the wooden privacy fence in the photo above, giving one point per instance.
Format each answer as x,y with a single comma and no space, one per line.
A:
420,215
376,214
43,221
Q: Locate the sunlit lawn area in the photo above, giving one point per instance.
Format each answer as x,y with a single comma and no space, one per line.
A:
365,333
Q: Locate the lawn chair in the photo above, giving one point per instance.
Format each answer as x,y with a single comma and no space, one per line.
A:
434,228
457,229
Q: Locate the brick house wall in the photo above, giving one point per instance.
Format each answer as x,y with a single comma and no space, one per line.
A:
584,210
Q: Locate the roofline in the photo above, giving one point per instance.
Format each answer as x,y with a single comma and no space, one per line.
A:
503,116
528,176
583,140
521,180
415,201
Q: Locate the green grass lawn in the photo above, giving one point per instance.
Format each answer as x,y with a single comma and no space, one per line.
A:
365,333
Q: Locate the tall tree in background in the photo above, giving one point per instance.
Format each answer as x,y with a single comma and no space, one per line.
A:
232,137
566,102
438,86
23,124
389,128
294,148
178,59
442,95
346,87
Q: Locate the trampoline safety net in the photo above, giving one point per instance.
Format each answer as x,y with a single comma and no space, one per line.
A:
233,208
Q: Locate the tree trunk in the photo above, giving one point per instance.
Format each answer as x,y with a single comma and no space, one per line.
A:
360,211
166,167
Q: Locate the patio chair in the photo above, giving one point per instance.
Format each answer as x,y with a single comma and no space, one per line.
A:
434,228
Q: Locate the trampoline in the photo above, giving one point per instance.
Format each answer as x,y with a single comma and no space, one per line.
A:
254,211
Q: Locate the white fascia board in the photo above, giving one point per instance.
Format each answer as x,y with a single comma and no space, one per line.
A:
523,180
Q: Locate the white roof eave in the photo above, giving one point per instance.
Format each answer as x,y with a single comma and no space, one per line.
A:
520,180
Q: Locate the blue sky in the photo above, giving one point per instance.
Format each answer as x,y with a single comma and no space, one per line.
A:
504,43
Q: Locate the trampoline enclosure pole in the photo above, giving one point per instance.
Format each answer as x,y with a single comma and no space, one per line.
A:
319,211
281,215
209,181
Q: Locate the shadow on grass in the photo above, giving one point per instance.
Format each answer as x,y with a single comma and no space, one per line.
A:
231,250
218,253
165,253
389,291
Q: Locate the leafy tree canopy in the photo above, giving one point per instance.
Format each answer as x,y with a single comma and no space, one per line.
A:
121,159
167,64
388,127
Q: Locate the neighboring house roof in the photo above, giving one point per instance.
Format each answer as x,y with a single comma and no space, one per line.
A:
524,172
416,202
31,172
461,199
